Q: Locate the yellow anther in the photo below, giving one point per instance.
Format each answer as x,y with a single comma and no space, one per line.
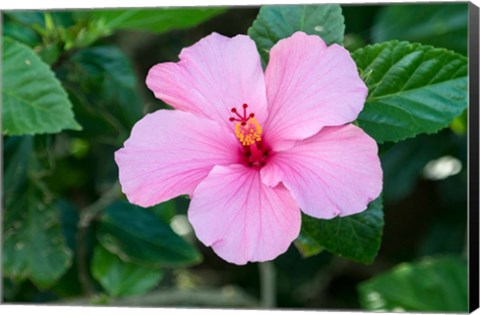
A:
249,133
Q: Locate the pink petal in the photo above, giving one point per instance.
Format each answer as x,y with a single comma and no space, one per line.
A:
335,172
309,86
168,153
212,76
242,219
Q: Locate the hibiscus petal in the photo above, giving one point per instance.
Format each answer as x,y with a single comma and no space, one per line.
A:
212,76
168,153
241,218
309,86
335,172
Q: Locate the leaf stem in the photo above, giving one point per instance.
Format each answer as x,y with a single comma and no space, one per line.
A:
268,285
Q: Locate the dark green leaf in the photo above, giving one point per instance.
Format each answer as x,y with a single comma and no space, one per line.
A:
276,22
33,100
38,18
137,235
33,245
413,89
104,83
431,285
69,284
28,18
155,20
121,278
49,53
439,25
356,237
21,33
17,155
9,290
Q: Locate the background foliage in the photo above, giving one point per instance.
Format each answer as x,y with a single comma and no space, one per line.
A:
73,86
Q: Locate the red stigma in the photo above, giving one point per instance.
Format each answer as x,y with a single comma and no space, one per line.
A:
241,118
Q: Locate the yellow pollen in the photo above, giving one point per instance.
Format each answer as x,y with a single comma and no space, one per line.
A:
250,133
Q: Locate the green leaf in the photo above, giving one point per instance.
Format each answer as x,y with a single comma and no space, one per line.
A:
121,278
356,237
439,25
138,236
21,33
104,79
27,18
33,245
33,100
37,19
413,89
155,20
431,285
276,22
17,153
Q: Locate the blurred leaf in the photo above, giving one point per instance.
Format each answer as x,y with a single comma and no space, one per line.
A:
21,33
33,99
460,124
307,246
353,42
403,163
356,237
9,290
95,125
28,18
84,34
439,25
137,235
165,210
276,22
451,233
431,285
33,244
69,285
360,18
121,278
155,20
413,89
17,153
39,18
50,53
103,81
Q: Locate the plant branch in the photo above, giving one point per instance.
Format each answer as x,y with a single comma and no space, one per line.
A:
268,286
91,212
87,215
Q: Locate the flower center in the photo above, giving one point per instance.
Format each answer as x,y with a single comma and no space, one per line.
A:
249,132
247,128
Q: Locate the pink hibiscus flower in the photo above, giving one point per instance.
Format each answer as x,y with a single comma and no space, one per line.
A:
254,149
